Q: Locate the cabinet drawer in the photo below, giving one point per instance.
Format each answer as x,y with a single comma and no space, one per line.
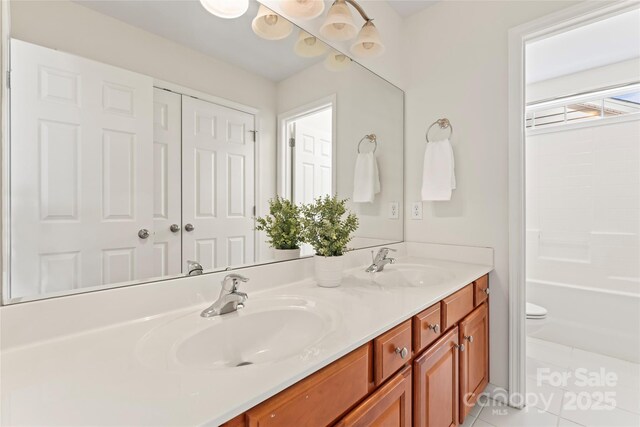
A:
426,327
391,351
456,306
480,290
321,398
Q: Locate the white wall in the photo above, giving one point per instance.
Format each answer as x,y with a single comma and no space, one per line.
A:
365,104
457,61
620,73
583,206
75,29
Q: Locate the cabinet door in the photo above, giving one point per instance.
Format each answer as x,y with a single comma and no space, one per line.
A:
389,406
435,379
474,360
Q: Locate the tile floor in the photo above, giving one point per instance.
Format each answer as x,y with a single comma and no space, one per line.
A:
569,387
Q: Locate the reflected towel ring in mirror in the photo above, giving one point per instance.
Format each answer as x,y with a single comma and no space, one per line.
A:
443,123
371,138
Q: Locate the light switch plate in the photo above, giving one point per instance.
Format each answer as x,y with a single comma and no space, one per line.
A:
394,207
416,210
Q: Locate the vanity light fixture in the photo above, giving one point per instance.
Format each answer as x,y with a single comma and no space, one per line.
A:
368,43
337,61
339,25
303,9
269,25
308,46
227,9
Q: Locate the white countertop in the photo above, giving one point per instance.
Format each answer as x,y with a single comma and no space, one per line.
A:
98,378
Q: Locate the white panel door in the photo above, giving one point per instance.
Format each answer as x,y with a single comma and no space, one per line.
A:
167,135
217,184
312,163
81,175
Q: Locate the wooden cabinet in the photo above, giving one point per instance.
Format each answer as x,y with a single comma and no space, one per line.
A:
474,360
426,327
321,398
389,406
391,351
435,384
415,374
456,306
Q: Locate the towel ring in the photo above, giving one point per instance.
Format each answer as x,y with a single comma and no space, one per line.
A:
371,138
443,123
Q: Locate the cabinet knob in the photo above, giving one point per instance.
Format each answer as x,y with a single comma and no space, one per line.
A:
403,352
486,291
459,346
469,338
435,328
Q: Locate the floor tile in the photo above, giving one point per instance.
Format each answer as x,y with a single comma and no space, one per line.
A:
628,373
624,398
587,416
468,421
544,396
505,416
481,423
548,373
550,352
475,411
566,423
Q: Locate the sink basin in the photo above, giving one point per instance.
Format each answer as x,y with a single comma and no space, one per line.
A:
406,275
266,331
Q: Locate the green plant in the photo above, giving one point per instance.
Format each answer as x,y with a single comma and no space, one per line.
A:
282,225
327,225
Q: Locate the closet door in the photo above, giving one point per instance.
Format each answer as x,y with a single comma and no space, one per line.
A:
81,176
167,212
312,163
217,184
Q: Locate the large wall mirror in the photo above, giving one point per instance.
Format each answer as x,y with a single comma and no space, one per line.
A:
147,134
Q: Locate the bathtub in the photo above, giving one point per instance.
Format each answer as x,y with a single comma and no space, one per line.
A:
597,320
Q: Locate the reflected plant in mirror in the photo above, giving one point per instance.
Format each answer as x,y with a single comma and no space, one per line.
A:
283,227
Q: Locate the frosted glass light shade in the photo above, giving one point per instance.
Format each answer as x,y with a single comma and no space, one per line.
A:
308,46
339,26
337,61
269,25
303,9
368,43
227,9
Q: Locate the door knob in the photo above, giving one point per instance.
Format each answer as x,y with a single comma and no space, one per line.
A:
174,228
435,328
143,233
403,352
189,227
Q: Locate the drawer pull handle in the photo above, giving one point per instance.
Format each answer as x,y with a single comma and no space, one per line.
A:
486,291
435,328
459,346
403,352
469,338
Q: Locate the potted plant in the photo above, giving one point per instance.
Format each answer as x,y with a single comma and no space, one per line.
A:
327,226
283,228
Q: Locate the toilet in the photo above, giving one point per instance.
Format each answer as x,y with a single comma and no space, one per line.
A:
536,318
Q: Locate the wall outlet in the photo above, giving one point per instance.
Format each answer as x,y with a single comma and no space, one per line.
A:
394,207
416,210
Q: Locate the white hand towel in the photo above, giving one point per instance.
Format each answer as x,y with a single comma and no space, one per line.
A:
438,177
366,179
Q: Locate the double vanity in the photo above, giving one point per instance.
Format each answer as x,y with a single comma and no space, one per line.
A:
406,343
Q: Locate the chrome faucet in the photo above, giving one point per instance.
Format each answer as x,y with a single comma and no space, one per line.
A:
194,268
380,260
230,298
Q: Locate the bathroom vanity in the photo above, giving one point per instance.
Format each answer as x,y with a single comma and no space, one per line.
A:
427,371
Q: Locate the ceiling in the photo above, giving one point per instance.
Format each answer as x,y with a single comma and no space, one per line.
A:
231,40
590,46
409,7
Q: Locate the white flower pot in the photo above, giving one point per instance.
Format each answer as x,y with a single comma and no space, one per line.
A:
285,254
329,270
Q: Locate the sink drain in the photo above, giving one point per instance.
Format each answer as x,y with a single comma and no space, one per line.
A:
244,364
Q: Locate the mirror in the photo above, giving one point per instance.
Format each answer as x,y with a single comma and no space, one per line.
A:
147,135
